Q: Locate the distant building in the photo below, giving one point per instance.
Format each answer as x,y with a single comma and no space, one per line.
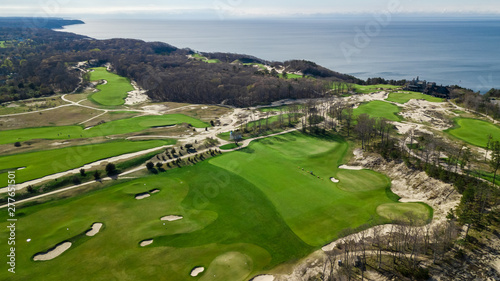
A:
428,88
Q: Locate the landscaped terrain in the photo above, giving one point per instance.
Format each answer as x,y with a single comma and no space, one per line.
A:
367,89
122,126
404,97
114,91
474,131
242,212
42,163
379,109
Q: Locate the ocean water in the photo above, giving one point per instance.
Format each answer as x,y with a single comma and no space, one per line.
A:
461,52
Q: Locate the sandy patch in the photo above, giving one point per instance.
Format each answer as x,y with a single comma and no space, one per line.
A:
88,128
263,278
171,218
355,168
35,103
196,271
13,105
496,264
142,196
59,143
154,191
136,96
54,253
146,242
334,180
22,168
155,109
96,227
104,82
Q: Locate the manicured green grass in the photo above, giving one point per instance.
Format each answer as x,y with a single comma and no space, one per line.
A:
2,44
205,59
122,126
404,97
243,212
229,146
367,89
316,209
291,76
114,91
261,66
379,109
474,131
395,211
42,163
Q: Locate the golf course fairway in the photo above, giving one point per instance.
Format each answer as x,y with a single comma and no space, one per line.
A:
474,131
242,212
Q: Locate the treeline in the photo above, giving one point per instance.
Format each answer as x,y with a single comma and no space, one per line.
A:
42,62
476,102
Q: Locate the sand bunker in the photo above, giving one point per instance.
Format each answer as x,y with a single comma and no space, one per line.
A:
146,242
54,253
196,271
154,191
334,180
171,218
96,227
263,278
142,196
356,168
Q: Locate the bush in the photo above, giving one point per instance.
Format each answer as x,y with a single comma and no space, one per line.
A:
76,180
150,165
110,169
17,144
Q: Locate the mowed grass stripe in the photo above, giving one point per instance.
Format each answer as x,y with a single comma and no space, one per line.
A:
43,163
123,126
114,91
474,131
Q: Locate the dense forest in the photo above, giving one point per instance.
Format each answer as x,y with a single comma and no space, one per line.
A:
41,62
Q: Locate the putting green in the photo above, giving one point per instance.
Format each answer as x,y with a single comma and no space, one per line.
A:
243,213
474,131
123,126
363,180
404,97
42,163
400,211
114,91
379,109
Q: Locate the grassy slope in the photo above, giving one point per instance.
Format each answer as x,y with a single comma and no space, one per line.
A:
122,126
244,212
404,97
112,93
379,109
474,131
43,163
367,89
316,209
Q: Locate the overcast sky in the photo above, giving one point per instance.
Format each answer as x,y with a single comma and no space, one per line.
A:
239,8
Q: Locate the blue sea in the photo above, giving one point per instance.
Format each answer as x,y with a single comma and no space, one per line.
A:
454,51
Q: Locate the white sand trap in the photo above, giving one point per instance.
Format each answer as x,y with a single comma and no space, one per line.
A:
146,242
88,128
263,278
171,218
196,271
334,180
355,168
96,227
142,196
22,168
54,253
154,191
